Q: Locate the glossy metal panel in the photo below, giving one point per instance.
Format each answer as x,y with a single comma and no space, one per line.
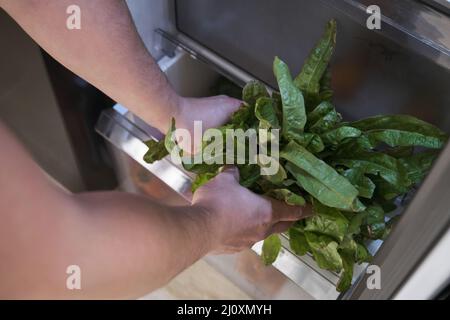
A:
402,68
431,276
123,133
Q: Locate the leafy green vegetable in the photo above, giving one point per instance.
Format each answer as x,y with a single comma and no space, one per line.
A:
364,185
346,278
270,249
319,179
323,118
349,172
310,141
319,112
355,223
326,92
336,136
244,117
200,168
327,221
169,140
402,138
266,113
417,165
288,196
377,163
401,130
294,116
325,251
156,151
253,91
276,178
400,152
374,226
362,254
308,81
297,242
249,174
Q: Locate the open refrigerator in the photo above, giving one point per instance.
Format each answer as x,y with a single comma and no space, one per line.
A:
402,68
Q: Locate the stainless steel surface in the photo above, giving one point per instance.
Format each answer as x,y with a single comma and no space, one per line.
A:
171,42
120,130
150,15
304,272
374,72
441,5
431,276
410,23
29,106
260,282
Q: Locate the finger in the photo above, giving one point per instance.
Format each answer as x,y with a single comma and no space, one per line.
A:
280,227
231,104
284,212
307,211
232,171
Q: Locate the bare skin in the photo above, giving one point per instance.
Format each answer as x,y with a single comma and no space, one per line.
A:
126,245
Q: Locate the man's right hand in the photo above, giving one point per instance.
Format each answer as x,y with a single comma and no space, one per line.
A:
238,218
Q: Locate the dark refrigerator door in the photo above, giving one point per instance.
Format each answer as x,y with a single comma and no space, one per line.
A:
390,71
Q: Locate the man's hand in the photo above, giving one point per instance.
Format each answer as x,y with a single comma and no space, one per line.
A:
237,218
212,112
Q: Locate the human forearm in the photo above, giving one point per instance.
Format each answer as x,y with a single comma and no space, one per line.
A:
107,52
137,245
125,246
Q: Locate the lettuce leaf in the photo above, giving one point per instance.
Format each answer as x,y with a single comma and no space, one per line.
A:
270,249
294,115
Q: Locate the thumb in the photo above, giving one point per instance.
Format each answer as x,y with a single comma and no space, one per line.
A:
230,104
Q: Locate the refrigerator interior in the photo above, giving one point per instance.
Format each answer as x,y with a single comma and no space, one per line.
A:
376,78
